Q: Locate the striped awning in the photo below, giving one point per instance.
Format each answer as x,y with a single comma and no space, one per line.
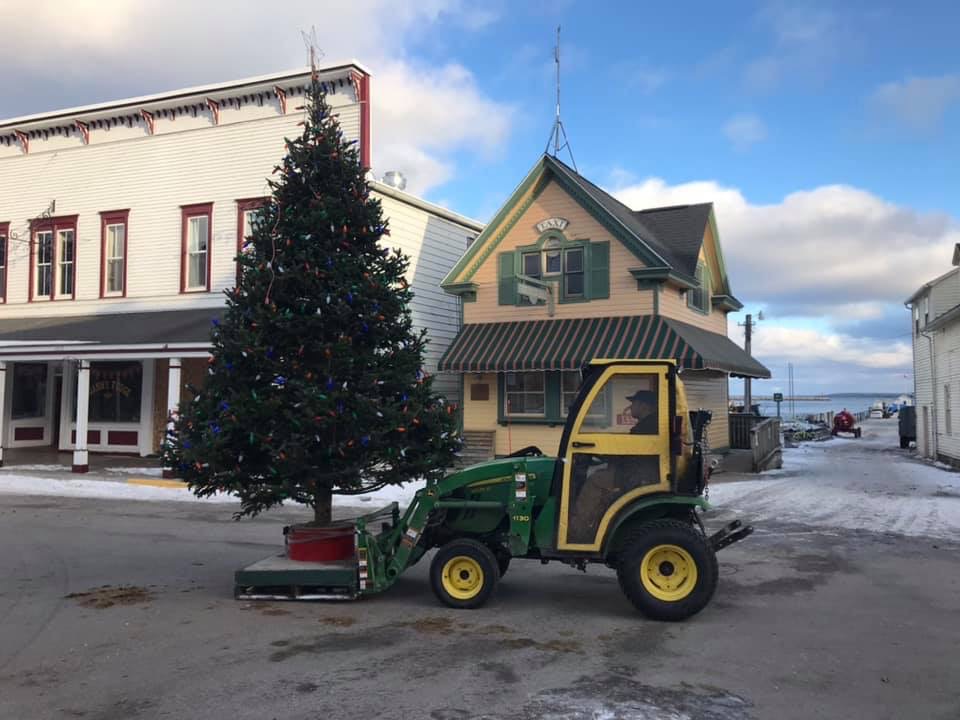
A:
569,344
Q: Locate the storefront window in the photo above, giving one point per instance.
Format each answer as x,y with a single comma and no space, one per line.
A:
525,393
29,390
115,389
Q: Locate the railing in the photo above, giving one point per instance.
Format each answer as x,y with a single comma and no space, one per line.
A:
766,445
740,426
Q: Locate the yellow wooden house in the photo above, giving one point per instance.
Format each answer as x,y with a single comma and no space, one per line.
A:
565,273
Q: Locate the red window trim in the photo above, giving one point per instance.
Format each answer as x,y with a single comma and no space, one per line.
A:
113,217
365,120
54,225
243,206
186,212
5,239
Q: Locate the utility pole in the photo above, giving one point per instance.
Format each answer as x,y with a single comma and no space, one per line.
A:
747,337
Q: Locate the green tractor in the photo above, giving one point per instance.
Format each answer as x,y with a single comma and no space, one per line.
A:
624,491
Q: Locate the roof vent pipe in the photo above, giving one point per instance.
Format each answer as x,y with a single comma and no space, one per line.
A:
396,179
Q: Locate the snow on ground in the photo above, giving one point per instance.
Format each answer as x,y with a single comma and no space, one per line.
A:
142,471
38,485
16,483
35,468
867,484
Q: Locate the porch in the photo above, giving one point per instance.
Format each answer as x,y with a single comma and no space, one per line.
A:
97,384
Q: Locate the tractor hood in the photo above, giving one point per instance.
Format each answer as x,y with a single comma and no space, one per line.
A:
502,468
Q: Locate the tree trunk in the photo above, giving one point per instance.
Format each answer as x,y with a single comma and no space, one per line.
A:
322,506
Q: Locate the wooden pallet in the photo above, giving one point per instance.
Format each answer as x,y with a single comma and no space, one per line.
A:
280,578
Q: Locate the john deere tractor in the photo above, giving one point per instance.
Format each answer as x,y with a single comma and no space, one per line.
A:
624,491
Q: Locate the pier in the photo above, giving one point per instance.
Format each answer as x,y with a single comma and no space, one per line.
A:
786,398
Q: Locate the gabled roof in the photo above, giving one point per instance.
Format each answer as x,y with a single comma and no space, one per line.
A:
667,239
679,228
928,285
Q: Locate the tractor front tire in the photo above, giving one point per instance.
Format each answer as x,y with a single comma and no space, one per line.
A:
464,574
667,569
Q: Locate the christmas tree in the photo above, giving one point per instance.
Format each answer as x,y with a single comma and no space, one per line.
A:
315,383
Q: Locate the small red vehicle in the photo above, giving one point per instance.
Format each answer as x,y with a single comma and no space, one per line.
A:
844,422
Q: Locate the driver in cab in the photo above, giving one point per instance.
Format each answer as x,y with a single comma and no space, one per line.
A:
643,407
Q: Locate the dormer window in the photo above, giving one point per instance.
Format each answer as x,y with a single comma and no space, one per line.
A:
699,297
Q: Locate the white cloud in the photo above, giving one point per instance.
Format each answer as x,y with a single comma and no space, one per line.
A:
745,130
833,257
806,346
805,41
818,250
124,48
424,113
918,102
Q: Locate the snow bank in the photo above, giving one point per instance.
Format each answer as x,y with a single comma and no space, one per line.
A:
34,485
142,471
18,484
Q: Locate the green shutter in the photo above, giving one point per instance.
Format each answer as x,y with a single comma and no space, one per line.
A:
506,279
552,388
599,270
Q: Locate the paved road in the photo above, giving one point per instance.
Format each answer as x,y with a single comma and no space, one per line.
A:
807,623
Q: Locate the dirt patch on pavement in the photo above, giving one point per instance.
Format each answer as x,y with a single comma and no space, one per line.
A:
110,595
338,621
431,625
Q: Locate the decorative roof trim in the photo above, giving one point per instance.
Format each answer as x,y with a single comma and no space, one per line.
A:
726,302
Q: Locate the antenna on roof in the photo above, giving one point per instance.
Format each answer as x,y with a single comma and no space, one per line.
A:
312,45
558,135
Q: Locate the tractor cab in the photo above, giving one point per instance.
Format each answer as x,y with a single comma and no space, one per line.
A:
628,437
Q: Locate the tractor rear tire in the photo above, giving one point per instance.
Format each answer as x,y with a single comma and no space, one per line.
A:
464,573
667,569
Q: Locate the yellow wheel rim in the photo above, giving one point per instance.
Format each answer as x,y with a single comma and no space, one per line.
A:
668,572
462,577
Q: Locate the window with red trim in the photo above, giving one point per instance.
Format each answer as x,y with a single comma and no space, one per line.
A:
247,212
196,248
113,253
53,258
4,240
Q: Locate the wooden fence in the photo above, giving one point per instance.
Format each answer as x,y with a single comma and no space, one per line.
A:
740,426
766,444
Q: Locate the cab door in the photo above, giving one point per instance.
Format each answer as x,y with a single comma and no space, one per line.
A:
616,450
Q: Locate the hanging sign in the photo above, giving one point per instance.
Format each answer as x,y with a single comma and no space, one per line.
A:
554,223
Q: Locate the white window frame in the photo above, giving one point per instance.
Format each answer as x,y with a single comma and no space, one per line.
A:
65,269
110,258
191,244
48,266
507,393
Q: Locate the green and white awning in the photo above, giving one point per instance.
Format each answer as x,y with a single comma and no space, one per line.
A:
571,343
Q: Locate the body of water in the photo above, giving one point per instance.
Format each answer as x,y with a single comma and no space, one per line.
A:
836,403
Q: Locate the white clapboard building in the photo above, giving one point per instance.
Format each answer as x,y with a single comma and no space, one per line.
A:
119,228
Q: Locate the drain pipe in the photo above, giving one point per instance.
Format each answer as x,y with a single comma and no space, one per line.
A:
933,379
931,346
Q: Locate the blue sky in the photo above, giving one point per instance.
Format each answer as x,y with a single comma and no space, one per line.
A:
650,93
826,133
